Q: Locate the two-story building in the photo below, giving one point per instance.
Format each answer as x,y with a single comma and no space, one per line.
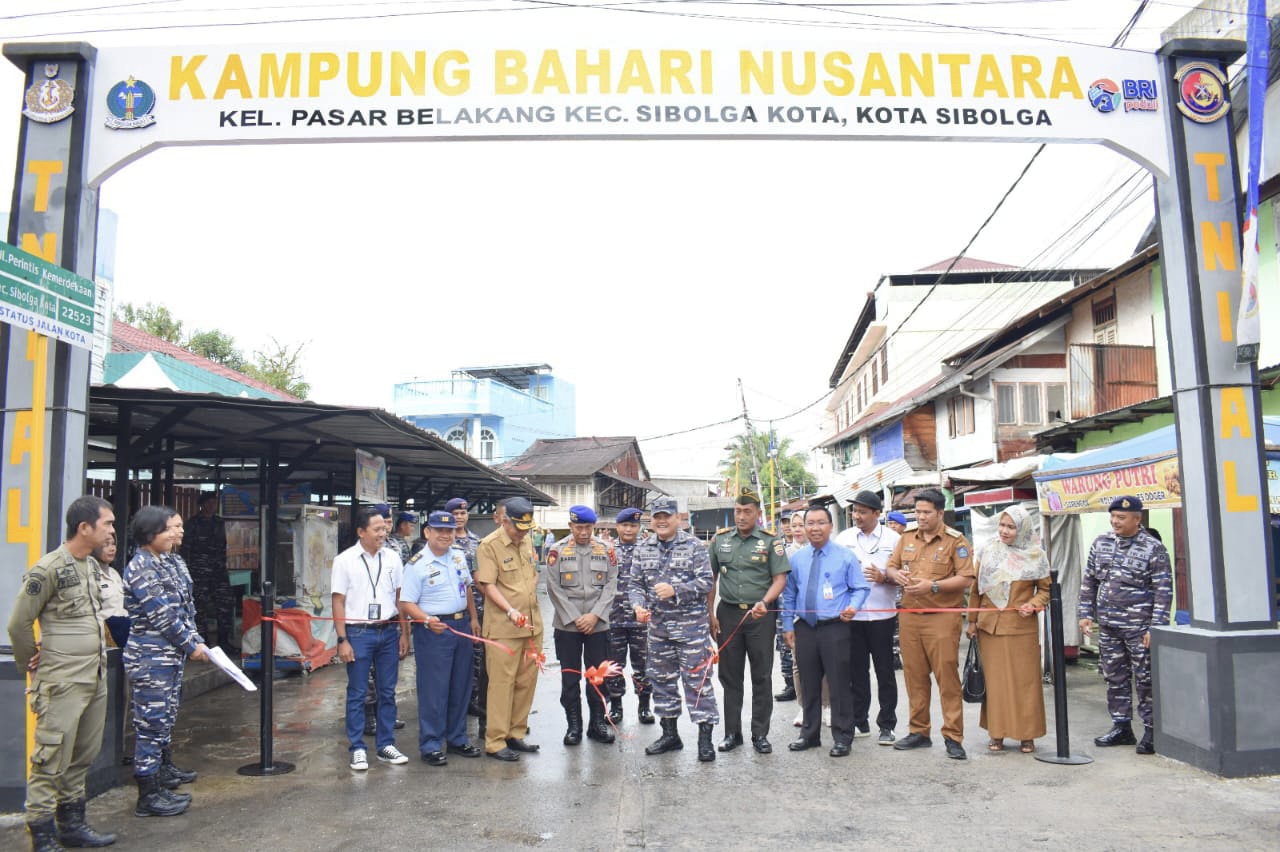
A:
491,413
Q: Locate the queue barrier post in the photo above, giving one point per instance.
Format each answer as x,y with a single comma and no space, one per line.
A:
1063,755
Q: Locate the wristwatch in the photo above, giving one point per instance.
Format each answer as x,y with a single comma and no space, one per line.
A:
936,588
341,639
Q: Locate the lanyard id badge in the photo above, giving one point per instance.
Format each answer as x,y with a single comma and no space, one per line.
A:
375,609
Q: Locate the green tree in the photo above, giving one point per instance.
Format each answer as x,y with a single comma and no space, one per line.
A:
218,347
793,479
153,319
281,367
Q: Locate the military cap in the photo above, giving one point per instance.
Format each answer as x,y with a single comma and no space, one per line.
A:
747,496
628,516
870,499
582,515
383,509
664,505
406,516
897,518
441,521
455,504
1125,504
520,513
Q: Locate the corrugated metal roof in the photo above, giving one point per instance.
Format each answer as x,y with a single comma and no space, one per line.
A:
969,264
571,456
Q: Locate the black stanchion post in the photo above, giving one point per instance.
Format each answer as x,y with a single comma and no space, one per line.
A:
267,764
1064,755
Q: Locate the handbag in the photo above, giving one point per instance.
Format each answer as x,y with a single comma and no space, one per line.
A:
974,684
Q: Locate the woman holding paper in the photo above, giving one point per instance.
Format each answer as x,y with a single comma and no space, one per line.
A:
162,634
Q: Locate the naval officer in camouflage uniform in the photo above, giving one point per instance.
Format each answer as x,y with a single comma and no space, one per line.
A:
467,541
68,667
582,579
1127,587
750,566
626,635
671,577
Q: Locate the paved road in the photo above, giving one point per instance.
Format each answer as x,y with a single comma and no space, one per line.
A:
613,797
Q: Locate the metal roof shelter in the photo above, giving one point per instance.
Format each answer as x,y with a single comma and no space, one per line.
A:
200,438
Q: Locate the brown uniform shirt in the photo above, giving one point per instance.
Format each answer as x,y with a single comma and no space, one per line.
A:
514,570
945,554
64,596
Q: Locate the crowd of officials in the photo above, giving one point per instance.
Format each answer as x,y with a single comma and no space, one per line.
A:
672,607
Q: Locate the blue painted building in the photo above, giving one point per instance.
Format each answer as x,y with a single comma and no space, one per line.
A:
491,413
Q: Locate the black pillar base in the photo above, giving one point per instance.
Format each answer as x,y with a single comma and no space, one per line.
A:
1216,695
257,770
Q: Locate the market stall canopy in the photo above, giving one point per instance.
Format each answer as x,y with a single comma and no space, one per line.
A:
317,443
1145,467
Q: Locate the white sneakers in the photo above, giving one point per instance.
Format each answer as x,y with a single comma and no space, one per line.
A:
360,760
391,754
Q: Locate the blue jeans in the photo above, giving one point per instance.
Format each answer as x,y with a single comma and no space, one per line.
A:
379,648
444,688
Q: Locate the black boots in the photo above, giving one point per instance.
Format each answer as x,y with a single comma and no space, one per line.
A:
573,734
171,776
669,741
788,692
44,836
598,728
706,751
1120,734
646,716
1147,744
615,710
153,800
74,832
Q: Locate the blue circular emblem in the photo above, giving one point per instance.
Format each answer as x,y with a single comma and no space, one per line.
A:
1104,95
130,103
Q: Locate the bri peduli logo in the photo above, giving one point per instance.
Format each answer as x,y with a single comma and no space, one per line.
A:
1104,95
1139,95
130,103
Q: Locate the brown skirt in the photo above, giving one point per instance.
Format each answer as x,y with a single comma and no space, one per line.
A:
1014,708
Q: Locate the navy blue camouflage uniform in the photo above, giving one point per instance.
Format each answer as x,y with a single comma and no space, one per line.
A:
204,547
162,635
1127,587
680,626
626,635
467,542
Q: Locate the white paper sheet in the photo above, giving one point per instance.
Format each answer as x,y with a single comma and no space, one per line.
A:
220,659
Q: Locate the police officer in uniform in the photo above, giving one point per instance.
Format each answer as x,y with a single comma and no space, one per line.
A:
1127,587
467,541
626,635
205,550
934,565
671,577
582,581
750,566
68,668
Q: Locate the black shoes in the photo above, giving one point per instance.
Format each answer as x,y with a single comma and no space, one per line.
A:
840,749
615,710
152,800
1147,744
399,725
504,754
669,741
731,741
74,832
1121,733
598,729
788,692
573,733
167,769
955,751
911,741
706,751
464,750
646,715
517,744
44,835
804,744
762,745
435,758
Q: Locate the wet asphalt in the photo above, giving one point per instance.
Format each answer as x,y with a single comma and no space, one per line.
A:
596,796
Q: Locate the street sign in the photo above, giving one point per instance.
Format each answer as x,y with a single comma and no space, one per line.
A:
47,299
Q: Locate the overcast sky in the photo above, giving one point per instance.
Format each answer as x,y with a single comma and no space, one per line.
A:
651,274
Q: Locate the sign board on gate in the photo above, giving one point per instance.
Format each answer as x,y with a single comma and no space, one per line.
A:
1156,482
47,299
371,478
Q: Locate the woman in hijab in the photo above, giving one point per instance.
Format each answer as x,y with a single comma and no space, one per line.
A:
1013,579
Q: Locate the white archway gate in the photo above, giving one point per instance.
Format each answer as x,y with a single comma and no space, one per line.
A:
90,113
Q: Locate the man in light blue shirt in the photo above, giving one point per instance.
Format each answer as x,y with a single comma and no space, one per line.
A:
435,595
824,590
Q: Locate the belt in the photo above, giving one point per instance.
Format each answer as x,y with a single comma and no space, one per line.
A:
378,625
449,616
737,605
823,621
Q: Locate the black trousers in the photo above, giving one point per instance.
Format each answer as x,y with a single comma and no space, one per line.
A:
873,645
580,651
823,651
754,642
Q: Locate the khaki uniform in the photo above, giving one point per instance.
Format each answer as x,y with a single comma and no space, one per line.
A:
512,677
69,688
931,641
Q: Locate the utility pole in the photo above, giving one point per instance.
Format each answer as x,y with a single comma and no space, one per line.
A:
751,439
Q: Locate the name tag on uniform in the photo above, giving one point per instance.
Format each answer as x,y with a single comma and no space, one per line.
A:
828,593
375,612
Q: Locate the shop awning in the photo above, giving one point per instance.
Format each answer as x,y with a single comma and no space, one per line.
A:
1145,466
872,479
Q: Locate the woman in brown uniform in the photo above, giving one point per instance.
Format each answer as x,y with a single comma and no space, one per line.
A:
1013,577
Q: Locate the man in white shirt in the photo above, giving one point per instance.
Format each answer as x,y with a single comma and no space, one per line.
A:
872,631
366,590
